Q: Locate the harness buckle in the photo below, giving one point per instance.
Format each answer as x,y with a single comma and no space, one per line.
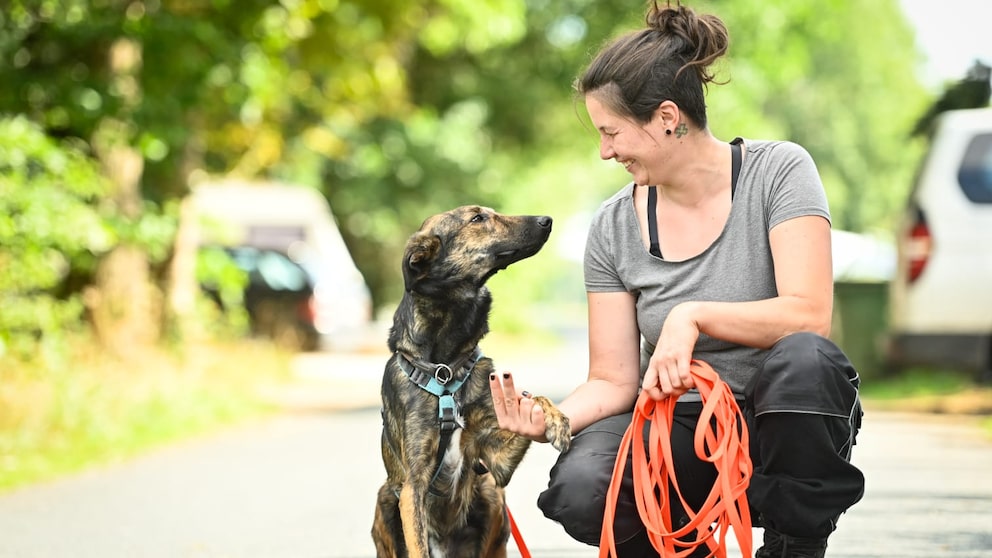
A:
447,417
447,414
443,374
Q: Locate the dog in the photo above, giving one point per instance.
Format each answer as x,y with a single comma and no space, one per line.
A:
447,461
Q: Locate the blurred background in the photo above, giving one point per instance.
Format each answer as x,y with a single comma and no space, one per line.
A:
192,191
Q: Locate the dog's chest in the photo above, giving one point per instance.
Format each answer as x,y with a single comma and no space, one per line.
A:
452,461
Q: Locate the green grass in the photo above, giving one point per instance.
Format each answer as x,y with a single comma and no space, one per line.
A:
92,408
916,382
934,391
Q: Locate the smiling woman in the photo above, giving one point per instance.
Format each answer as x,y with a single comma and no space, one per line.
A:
716,251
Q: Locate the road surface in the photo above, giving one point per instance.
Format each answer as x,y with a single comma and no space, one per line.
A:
303,484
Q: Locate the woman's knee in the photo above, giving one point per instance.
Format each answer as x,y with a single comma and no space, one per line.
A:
576,493
804,372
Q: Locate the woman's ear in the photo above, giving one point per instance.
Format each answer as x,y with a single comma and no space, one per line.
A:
668,115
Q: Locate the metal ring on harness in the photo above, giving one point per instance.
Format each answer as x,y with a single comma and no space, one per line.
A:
443,374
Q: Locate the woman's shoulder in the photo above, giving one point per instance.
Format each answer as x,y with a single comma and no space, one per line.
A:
624,193
611,212
776,150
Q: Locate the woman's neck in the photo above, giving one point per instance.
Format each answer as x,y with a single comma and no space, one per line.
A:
705,174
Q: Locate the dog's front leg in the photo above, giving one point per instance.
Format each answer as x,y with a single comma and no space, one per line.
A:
413,505
502,453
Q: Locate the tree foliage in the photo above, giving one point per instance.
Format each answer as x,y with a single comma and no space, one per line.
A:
50,223
396,110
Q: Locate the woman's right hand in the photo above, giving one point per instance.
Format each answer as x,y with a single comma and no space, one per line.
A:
668,373
515,412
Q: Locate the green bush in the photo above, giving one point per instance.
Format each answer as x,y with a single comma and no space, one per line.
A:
50,224
222,300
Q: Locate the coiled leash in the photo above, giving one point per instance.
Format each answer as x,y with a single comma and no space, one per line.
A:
721,438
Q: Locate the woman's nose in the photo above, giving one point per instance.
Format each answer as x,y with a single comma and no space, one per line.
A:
606,150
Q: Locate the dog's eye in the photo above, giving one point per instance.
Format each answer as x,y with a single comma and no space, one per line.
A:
478,218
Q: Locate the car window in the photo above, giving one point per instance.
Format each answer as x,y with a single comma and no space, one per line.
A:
975,173
279,273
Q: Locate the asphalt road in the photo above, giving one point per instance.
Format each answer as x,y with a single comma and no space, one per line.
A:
303,484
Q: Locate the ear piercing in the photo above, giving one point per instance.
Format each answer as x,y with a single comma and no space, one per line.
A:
668,132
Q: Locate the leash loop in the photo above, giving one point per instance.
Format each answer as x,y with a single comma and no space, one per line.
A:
721,437
443,374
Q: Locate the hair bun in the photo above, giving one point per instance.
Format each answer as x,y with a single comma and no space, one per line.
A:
700,39
661,17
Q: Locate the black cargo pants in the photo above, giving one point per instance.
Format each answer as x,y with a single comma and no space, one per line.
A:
803,415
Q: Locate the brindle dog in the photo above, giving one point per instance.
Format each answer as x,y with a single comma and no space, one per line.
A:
447,461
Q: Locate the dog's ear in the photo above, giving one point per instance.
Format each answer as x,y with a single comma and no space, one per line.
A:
421,251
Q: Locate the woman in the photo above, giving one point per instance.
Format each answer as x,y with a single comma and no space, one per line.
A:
715,251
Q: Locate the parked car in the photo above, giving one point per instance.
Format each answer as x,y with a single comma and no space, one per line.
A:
279,298
940,301
304,288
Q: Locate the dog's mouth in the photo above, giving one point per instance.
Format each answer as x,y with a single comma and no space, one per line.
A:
506,254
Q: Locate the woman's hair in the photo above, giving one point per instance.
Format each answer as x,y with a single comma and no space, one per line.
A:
669,60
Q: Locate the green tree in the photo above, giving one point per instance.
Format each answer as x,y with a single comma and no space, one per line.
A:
839,78
50,224
396,110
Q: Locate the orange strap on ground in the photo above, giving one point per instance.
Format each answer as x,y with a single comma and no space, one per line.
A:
517,537
721,437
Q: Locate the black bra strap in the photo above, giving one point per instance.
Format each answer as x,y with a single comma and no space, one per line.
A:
653,221
735,165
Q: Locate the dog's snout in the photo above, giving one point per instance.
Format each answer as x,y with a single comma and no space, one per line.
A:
544,221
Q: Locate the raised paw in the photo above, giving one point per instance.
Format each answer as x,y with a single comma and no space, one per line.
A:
556,427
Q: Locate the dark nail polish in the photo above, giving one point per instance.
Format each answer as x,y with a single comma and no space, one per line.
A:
492,377
506,375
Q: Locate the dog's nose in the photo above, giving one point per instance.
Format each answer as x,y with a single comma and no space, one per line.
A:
544,221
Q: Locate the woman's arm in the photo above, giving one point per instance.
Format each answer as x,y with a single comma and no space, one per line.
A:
614,373
614,361
804,280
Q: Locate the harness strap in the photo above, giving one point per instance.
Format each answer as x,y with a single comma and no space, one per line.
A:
440,380
435,377
721,438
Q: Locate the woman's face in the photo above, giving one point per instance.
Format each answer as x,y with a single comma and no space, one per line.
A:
628,142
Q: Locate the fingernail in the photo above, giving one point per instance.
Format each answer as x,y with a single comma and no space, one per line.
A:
506,375
525,393
492,377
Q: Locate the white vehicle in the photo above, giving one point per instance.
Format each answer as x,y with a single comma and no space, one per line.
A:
303,280
940,301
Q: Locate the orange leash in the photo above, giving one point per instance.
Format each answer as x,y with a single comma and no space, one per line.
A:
723,443
517,537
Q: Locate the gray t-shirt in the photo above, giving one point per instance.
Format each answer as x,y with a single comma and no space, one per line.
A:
778,181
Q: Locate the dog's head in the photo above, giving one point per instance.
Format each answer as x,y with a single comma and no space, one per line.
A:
467,246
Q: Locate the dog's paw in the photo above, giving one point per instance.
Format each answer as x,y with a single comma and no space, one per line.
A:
556,427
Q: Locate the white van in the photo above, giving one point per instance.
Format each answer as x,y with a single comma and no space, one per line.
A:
304,281
940,301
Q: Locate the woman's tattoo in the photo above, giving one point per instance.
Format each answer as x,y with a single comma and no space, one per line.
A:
681,130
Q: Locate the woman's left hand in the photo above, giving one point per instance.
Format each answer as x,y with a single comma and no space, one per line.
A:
668,370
